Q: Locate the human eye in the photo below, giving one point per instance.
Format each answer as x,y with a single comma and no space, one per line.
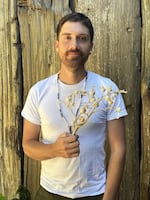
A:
67,37
83,38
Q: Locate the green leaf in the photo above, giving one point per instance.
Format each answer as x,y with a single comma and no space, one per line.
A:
24,193
2,197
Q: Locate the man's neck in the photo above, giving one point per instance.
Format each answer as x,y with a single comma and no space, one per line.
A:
72,77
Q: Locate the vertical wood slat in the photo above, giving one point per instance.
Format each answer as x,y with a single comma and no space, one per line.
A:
117,54
10,100
38,22
145,95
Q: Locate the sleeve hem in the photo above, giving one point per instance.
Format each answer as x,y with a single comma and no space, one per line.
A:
27,117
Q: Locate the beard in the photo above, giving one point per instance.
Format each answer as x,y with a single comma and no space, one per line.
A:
75,58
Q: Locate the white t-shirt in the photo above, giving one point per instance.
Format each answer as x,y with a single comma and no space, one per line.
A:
84,175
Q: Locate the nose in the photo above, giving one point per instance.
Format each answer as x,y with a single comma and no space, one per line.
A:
74,44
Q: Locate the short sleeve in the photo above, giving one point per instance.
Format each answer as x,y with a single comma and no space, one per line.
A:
30,109
118,108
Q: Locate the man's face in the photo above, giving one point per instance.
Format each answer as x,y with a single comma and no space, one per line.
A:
74,44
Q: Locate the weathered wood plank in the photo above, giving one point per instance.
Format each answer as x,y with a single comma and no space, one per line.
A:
10,100
145,93
116,54
38,22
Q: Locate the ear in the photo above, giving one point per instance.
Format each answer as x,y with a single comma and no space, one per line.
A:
91,48
56,45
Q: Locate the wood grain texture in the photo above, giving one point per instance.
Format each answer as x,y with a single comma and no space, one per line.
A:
145,95
10,100
116,54
38,21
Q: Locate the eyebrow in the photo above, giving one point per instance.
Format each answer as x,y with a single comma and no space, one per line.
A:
71,34
65,34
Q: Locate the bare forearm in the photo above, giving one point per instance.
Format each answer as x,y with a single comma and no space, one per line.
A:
65,146
39,151
114,175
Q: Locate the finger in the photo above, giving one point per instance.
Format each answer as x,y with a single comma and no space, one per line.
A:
64,135
72,138
75,150
72,153
74,144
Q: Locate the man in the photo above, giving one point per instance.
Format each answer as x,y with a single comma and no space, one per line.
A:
73,165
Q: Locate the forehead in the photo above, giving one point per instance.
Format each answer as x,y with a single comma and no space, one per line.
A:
74,28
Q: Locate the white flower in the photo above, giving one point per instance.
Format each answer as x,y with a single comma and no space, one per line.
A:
83,110
123,91
109,89
92,93
81,120
102,89
118,109
108,99
95,104
83,92
69,102
91,102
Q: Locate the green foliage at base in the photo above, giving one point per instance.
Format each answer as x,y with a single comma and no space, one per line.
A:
2,197
22,192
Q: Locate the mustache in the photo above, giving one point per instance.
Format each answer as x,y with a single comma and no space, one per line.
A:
74,51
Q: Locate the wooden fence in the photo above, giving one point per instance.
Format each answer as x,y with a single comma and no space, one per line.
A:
121,52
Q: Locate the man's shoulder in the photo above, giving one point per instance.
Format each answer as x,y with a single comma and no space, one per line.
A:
44,84
100,78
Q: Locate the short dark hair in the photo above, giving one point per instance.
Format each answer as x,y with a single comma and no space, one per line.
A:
76,17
